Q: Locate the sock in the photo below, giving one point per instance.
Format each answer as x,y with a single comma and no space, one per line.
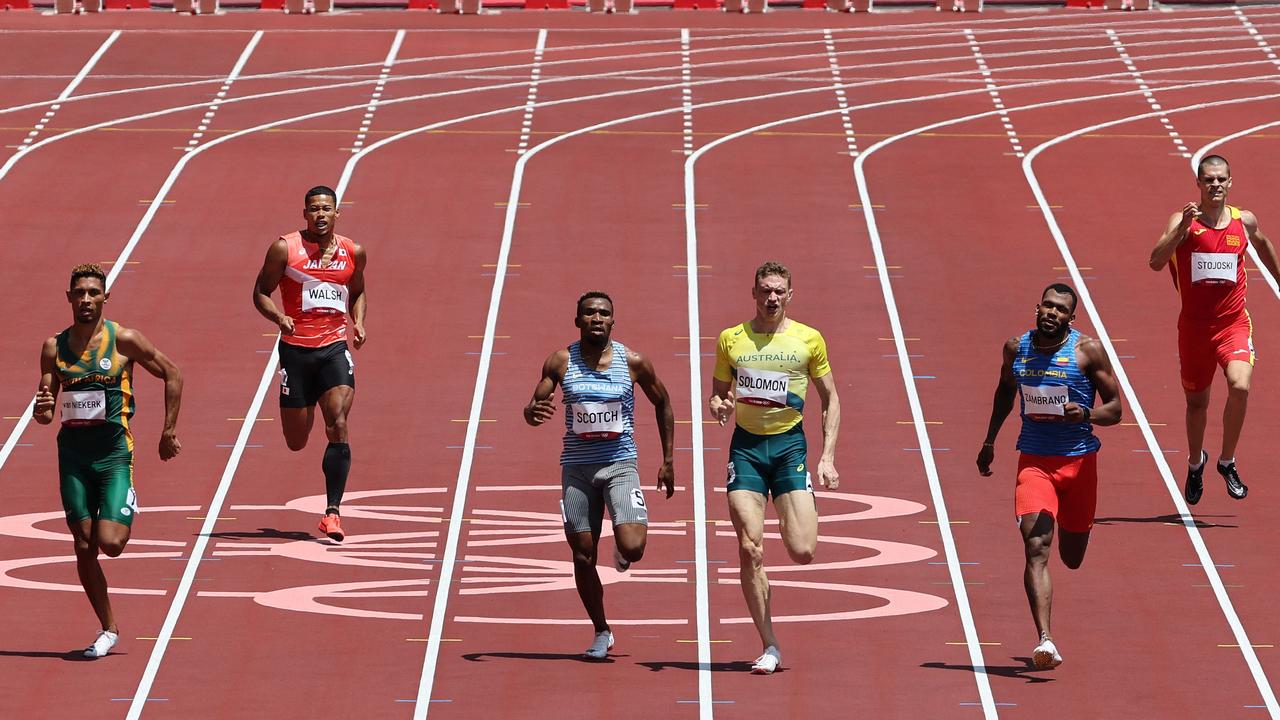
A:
1226,463
1197,466
336,465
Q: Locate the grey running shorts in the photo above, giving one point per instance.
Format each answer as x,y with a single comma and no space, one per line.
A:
587,489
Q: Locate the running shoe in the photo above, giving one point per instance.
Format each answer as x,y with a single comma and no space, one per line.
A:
101,645
1046,656
1235,488
1195,481
600,646
620,563
331,525
768,662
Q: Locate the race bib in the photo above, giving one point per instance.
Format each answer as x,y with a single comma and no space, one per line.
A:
84,407
762,387
597,421
1213,268
1044,400
320,296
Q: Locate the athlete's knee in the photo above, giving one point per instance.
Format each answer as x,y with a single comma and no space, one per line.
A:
336,430
1238,386
1073,562
295,442
1037,549
803,555
112,547
1197,402
584,558
86,548
751,554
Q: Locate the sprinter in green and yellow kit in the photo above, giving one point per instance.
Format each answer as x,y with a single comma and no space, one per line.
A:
86,371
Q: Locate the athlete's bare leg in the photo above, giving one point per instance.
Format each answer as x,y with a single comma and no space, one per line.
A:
631,539
586,578
746,510
296,424
798,523
1239,375
1037,537
1197,418
85,534
335,406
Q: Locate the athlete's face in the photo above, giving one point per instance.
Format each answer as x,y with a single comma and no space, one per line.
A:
1214,181
1055,313
321,213
595,319
771,293
86,297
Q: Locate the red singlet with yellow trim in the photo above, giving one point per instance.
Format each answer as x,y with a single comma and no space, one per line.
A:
1208,270
316,296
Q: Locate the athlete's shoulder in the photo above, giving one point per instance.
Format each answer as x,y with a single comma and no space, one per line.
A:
290,237
1248,218
734,332
807,332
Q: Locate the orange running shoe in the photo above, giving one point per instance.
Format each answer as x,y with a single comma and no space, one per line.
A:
331,525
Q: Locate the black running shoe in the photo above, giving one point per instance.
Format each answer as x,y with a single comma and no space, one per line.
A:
1235,488
1195,481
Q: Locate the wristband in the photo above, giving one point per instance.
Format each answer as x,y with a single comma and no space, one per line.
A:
1087,413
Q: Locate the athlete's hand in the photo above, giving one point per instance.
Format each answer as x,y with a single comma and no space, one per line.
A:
285,323
44,401
169,446
539,411
1190,212
721,408
1072,413
985,456
827,475
667,479
357,335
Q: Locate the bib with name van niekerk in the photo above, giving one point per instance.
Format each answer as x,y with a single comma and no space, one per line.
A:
1047,382
315,292
1208,270
769,373
96,388
599,420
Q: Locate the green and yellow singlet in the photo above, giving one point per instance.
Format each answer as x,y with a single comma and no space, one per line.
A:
97,386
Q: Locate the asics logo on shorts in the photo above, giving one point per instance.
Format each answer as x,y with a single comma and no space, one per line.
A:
130,503
733,474
284,381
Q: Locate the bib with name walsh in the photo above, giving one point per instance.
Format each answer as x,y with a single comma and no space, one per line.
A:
97,386
769,373
315,292
599,410
1046,382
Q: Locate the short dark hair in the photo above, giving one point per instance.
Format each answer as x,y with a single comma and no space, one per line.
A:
320,190
1212,160
1063,289
773,268
87,270
592,294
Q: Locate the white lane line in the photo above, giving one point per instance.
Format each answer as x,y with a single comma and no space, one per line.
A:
994,91
378,89
1171,484
1195,167
526,124
70,88
851,141
1147,93
1255,35
221,95
686,90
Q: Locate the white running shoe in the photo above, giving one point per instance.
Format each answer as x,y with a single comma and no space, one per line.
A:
101,644
768,662
620,563
1045,656
600,646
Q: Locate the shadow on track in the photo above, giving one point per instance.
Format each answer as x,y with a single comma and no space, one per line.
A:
69,656
265,534
576,657
1023,671
736,666
1171,518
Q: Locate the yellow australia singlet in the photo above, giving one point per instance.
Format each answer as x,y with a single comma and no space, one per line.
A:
770,373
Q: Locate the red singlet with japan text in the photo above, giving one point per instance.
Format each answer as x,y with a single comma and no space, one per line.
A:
315,294
1208,270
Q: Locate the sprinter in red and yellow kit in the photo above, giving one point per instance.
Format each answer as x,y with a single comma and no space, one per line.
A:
321,279
1204,246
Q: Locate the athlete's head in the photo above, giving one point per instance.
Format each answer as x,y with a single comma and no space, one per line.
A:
1056,311
87,293
772,291
1213,177
320,209
595,317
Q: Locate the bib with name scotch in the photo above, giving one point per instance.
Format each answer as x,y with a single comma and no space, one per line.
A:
96,386
1046,383
599,410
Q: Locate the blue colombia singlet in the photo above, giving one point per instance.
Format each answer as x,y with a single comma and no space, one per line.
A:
1046,381
599,410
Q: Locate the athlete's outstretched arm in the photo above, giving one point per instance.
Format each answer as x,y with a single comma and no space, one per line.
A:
1098,368
47,394
826,387
1175,233
541,408
1266,250
358,305
1001,406
647,378
137,348
268,279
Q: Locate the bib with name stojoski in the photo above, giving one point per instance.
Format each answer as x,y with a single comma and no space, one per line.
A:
1208,270
599,410
97,386
1046,383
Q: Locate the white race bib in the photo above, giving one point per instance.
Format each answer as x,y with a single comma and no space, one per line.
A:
762,387
83,407
323,296
1044,399
597,421
1213,268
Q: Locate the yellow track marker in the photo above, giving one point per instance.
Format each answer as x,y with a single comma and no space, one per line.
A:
935,522
980,643
427,639
494,265
1256,645
466,421
113,262
686,337
504,204
1130,424
156,638
685,267
690,422
261,419
1082,267
12,417
913,422
856,206
710,641
889,267
908,339
696,205
495,337
205,518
